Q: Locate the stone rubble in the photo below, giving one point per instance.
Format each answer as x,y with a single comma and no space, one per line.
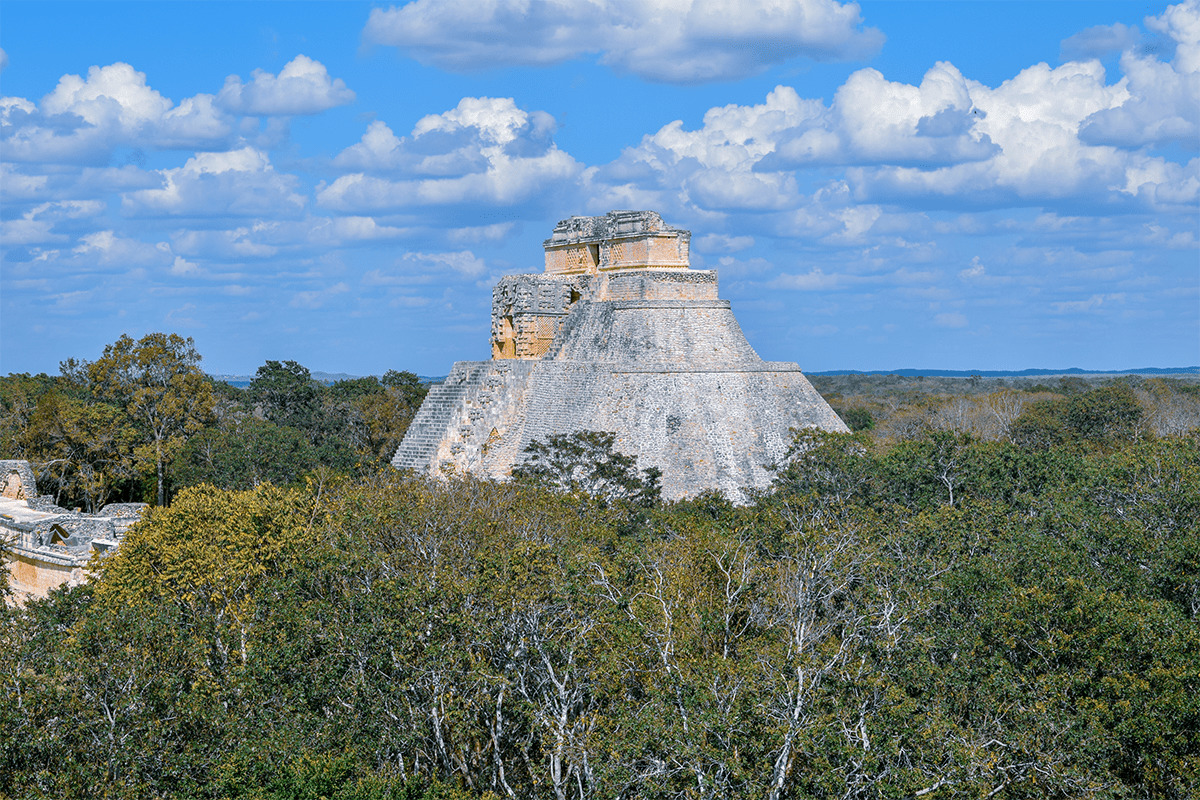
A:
47,546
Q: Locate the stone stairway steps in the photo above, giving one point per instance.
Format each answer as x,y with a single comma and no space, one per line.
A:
427,430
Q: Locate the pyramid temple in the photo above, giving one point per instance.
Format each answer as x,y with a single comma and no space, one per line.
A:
618,334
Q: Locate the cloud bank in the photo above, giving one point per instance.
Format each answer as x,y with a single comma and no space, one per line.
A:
942,205
669,41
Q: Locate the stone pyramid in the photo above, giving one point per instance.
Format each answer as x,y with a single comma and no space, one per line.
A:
618,334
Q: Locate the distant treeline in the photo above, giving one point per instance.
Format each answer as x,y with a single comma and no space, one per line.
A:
142,422
895,407
1023,373
912,611
327,378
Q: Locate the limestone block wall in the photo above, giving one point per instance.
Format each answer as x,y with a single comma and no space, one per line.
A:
468,419
73,532
690,284
527,311
35,574
489,419
619,335
703,429
676,381
68,535
45,551
573,259
17,481
123,516
655,251
48,546
617,240
432,424
678,332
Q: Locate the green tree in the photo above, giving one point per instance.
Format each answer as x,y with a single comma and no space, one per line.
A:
858,419
407,383
242,453
588,462
1041,425
84,451
832,465
157,379
857,633
386,415
207,555
287,395
353,389
1104,415
19,396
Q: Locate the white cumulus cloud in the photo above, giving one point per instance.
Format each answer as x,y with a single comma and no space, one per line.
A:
303,86
714,166
1163,101
673,41
114,93
1100,40
485,150
37,225
1045,136
107,248
463,262
379,150
874,120
233,183
1035,121
231,244
83,119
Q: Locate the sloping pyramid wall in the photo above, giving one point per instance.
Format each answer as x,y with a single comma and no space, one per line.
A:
652,356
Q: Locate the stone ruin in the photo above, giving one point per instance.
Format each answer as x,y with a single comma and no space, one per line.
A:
47,546
618,334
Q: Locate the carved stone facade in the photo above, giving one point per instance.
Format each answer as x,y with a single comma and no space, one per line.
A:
617,241
527,311
618,334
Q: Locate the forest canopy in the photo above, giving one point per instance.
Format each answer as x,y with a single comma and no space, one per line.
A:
143,421
913,610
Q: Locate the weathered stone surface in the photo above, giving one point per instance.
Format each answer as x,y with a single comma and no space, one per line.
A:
18,480
616,241
626,338
47,546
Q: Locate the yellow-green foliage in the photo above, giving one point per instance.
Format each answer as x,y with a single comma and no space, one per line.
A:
207,555
210,544
940,617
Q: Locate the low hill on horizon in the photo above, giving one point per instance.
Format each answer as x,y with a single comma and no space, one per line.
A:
243,381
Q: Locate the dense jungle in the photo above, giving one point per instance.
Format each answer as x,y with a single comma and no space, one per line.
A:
989,589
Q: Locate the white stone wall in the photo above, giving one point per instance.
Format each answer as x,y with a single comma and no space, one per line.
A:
651,355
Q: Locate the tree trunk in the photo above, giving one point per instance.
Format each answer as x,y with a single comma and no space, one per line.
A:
162,500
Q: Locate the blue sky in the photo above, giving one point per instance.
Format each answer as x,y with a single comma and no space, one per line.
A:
955,185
